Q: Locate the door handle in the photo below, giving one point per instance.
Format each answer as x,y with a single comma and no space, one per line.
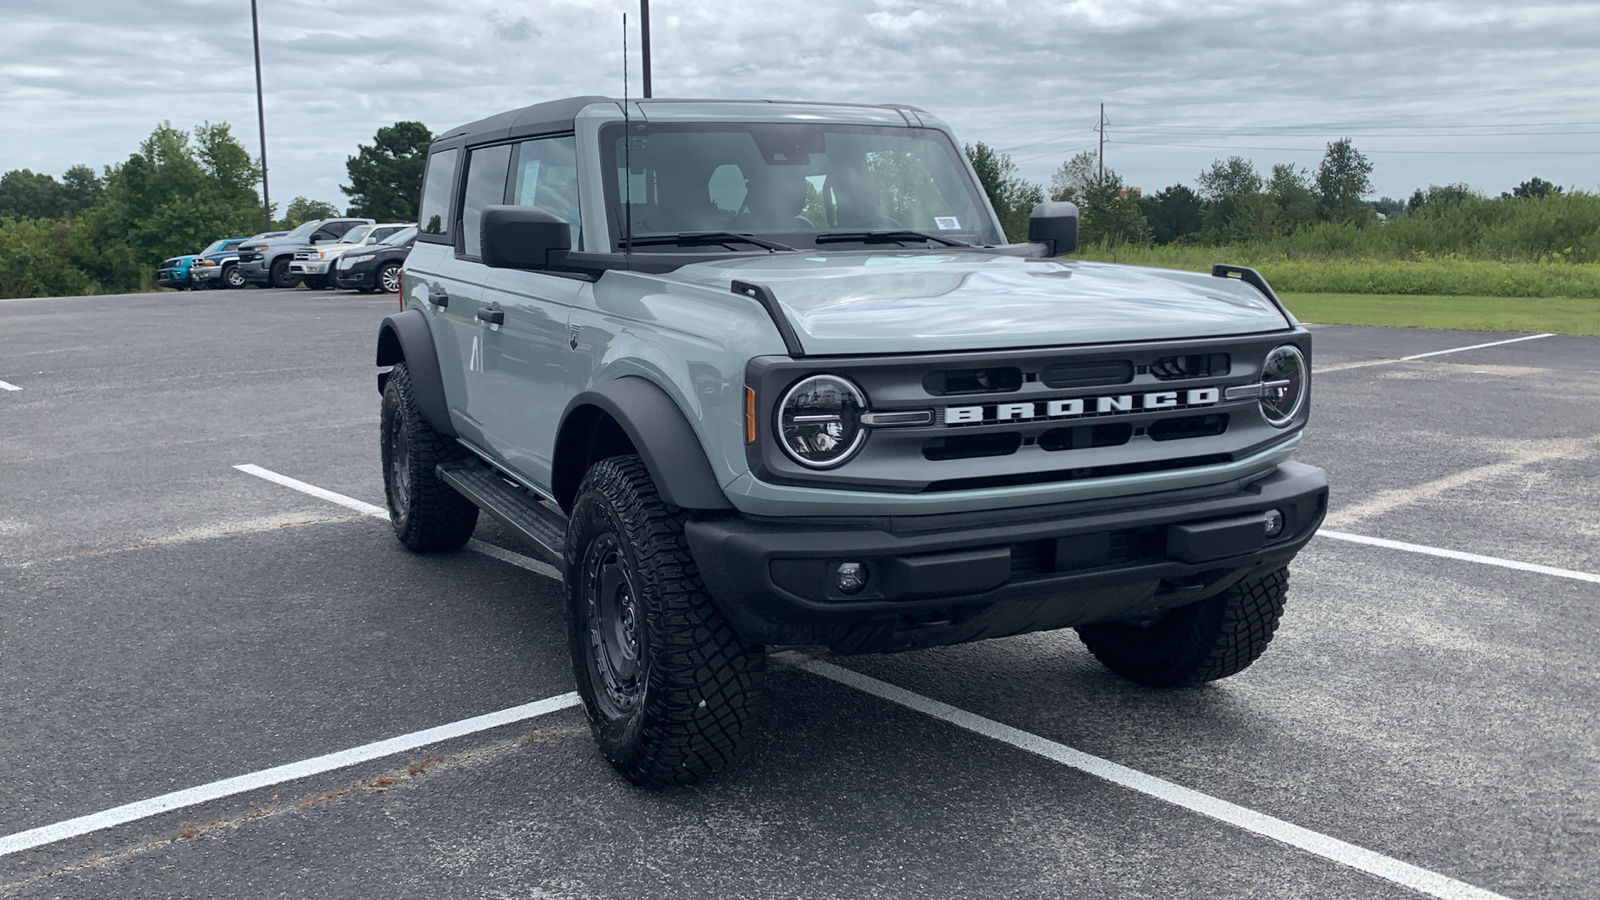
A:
492,316
438,296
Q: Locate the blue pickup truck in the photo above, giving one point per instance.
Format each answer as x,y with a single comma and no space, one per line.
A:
178,271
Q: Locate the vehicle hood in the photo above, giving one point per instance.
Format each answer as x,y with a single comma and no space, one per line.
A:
178,262
909,302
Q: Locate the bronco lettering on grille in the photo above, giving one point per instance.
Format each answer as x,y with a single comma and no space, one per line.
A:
1081,406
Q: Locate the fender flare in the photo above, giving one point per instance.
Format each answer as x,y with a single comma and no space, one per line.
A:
658,430
405,337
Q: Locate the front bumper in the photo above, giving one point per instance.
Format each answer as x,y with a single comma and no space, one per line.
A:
960,577
256,271
172,278
309,267
358,275
205,273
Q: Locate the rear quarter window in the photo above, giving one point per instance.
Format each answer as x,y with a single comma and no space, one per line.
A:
433,213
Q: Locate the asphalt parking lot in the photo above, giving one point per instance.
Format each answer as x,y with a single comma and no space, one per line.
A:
1426,723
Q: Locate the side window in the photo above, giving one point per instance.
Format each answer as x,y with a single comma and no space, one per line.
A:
547,177
324,236
339,229
486,186
433,213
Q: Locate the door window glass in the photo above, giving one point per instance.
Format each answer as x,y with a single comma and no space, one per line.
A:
486,186
547,177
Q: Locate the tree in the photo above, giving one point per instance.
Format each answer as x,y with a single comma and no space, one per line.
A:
1438,197
25,194
81,189
1291,193
1343,177
386,178
1173,213
171,198
1235,208
1111,212
1012,196
1533,189
1075,177
302,209
1388,206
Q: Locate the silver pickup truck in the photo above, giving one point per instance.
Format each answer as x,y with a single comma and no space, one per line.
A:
756,374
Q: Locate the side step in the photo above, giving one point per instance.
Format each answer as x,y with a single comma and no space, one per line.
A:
538,524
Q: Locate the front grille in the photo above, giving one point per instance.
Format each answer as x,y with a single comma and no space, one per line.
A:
302,255
249,255
1037,416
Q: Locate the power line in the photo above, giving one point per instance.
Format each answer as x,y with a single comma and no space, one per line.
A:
1368,152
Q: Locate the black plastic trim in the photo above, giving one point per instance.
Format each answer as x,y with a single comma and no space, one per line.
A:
406,337
660,433
769,302
1253,278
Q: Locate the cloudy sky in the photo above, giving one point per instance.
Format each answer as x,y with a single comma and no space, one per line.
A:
1485,92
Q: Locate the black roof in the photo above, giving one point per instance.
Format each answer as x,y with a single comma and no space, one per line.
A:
557,116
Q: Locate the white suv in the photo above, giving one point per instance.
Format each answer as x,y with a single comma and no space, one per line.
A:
313,264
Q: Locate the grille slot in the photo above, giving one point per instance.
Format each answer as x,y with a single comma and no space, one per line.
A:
1203,365
993,380
1090,374
1188,427
972,446
1078,474
1083,437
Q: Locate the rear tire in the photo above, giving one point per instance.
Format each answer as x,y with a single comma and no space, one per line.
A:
1193,644
670,689
428,515
280,276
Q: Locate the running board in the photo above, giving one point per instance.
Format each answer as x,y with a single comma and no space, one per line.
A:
537,523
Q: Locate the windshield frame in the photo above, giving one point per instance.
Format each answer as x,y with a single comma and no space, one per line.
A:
954,183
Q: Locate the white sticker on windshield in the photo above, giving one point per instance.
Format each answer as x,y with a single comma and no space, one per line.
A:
947,223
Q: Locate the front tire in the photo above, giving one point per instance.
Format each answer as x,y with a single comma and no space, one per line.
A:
670,689
388,279
232,278
428,515
1193,644
280,276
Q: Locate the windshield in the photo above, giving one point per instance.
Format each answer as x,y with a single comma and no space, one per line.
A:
400,237
793,181
357,234
213,247
304,230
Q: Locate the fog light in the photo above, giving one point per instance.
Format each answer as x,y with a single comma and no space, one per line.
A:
850,577
1274,521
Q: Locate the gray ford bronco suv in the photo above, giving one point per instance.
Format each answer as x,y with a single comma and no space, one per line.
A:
756,374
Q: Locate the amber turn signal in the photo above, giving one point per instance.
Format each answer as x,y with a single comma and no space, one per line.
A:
749,415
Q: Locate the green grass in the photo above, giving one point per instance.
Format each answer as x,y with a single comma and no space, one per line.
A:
1561,315
1423,275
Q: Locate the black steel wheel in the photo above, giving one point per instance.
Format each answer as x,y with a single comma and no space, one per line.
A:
280,276
389,278
427,514
1193,644
670,689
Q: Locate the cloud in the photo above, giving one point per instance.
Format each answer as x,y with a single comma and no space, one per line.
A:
1434,92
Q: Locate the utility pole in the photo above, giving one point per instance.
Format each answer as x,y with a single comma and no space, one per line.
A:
644,26
261,119
1101,127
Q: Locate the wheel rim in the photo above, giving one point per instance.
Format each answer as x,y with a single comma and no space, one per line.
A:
234,278
400,465
389,280
612,614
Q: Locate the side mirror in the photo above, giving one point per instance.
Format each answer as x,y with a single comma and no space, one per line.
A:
1054,223
522,237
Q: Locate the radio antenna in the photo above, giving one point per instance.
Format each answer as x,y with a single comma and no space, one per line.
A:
627,155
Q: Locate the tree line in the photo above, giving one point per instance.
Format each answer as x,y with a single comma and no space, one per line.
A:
1294,209
94,232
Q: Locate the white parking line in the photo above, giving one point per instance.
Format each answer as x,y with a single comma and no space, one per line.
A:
313,490
1458,555
1386,867
1340,367
227,787
8,386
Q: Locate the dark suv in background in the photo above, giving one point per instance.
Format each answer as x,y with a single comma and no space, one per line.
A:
266,263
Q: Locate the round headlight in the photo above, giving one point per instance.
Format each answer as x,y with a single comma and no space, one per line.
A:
1284,383
819,421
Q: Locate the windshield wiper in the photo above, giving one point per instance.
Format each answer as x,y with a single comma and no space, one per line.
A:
701,239
898,236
